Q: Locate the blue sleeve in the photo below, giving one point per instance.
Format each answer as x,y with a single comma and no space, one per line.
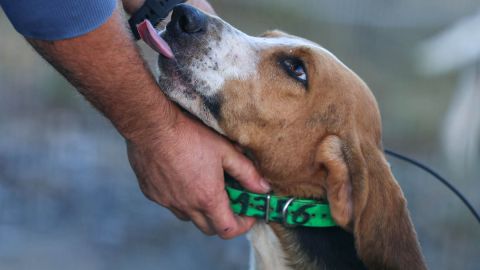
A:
57,19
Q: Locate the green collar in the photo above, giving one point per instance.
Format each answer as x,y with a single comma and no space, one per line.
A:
287,210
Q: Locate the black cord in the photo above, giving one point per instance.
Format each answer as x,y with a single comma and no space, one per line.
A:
440,178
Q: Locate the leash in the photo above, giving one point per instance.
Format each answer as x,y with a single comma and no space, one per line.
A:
439,178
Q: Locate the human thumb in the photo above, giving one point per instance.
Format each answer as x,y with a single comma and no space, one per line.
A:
242,169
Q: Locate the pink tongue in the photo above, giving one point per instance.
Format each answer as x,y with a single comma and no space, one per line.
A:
151,37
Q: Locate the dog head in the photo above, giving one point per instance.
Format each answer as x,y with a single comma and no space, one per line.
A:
310,124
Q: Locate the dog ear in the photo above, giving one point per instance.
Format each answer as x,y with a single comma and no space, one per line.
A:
337,184
365,198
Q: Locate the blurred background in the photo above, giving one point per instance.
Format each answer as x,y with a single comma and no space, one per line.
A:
69,200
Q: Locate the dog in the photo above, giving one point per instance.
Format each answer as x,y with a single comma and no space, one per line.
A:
311,126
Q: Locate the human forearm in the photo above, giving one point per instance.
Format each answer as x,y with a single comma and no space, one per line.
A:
107,69
178,161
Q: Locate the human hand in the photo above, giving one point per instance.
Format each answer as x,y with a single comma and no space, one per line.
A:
131,6
203,5
182,169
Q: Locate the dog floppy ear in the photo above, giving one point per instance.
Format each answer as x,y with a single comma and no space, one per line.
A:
338,184
365,198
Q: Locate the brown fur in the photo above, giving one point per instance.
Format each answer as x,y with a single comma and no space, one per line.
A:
323,142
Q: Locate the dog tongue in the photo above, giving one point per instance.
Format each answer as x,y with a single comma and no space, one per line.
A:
151,37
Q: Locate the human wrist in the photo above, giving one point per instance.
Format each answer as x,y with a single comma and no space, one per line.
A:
154,119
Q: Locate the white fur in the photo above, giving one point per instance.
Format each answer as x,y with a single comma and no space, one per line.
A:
234,58
266,252
196,107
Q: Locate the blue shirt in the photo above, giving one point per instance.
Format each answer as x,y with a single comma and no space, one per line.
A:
57,19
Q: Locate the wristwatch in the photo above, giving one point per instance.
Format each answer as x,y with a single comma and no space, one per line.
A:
153,10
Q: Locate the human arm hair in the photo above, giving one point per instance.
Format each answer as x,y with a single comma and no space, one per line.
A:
179,162
106,67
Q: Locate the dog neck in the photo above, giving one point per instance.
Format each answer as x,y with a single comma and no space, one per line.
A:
274,247
266,251
392,245
389,246
384,237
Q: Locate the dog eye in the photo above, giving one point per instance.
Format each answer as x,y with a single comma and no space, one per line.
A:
295,69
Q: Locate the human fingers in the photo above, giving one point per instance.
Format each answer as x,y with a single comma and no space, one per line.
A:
242,169
224,222
201,222
180,214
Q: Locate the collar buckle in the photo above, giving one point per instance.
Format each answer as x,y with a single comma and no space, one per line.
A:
285,212
267,208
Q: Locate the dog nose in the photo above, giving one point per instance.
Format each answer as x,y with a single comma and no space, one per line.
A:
188,19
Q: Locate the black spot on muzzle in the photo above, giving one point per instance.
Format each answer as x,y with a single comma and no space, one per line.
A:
213,104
